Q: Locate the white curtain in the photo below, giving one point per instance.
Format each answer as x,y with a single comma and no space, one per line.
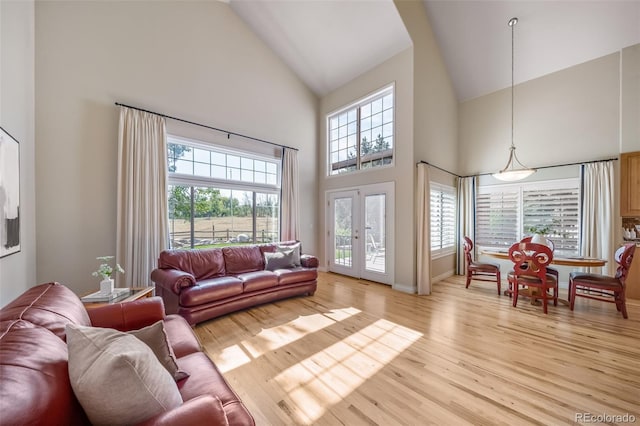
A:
465,225
290,226
423,221
597,213
142,222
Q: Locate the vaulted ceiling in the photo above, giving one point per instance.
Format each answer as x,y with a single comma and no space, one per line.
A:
329,42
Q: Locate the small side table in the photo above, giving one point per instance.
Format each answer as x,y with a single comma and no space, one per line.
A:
133,293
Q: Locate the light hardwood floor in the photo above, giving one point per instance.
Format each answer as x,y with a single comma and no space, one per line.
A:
359,353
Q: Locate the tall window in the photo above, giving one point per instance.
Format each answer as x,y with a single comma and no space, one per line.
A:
360,136
220,197
443,219
506,213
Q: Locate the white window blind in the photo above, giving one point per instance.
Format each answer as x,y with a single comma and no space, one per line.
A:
443,219
557,208
504,213
497,218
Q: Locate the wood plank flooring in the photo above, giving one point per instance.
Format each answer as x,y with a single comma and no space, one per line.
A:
359,353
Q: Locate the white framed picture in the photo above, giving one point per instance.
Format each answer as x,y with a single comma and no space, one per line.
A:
9,194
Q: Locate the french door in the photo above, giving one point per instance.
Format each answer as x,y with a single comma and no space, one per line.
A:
360,232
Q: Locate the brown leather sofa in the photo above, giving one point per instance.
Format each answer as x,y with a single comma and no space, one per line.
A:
35,387
203,284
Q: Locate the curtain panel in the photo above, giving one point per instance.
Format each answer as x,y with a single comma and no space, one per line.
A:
466,221
142,222
290,227
423,221
597,236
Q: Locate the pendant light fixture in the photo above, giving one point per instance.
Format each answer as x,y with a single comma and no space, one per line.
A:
514,170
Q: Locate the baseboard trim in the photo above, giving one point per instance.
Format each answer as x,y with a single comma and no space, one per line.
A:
404,288
442,276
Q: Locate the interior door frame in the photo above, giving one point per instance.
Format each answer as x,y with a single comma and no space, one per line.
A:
358,269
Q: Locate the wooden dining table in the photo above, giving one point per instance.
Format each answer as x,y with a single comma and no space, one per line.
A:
571,261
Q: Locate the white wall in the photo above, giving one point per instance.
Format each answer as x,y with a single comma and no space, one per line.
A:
194,60
398,70
569,116
18,270
435,113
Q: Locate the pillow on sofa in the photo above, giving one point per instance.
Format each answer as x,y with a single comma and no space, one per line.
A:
278,260
155,336
296,252
116,377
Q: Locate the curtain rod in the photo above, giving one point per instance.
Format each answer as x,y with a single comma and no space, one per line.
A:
579,163
205,126
439,168
536,168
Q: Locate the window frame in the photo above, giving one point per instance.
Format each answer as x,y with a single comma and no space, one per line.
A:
198,181
357,105
450,248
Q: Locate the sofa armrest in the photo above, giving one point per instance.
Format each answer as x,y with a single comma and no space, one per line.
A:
128,315
172,279
202,410
309,261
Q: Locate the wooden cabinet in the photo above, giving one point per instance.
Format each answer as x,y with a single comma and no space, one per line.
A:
633,279
630,184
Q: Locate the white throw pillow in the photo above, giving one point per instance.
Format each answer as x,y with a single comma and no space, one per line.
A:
116,377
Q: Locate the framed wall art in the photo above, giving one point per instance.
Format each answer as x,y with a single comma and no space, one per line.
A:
9,194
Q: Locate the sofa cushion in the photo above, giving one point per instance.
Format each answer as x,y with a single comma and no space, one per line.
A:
241,259
295,275
35,387
116,377
202,264
182,338
210,381
279,260
210,290
258,280
155,337
51,306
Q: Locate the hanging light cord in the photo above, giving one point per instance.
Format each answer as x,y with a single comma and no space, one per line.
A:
512,24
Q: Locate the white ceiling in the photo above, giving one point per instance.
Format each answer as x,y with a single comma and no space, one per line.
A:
329,42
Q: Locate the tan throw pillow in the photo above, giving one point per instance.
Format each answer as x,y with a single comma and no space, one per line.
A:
116,377
155,336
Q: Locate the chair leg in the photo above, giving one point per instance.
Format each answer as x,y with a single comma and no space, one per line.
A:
468,279
545,300
623,304
498,279
555,294
572,294
515,293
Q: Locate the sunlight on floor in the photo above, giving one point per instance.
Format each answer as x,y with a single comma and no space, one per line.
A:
276,337
328,376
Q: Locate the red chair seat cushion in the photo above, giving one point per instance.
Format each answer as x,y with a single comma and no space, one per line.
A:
479,266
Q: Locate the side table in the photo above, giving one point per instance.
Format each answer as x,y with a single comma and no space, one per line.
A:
133,293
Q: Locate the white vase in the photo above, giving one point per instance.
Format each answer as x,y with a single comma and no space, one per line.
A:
540,239
106,286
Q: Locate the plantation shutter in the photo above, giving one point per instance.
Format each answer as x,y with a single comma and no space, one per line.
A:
443,219
559,210
497,218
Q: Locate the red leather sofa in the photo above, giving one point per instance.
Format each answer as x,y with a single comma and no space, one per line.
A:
207,283
35,387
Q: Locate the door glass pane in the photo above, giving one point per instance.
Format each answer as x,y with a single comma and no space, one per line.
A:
375,232
343,212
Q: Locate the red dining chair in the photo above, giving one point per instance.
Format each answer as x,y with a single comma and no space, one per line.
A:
480,271
530,262
604,287
550,270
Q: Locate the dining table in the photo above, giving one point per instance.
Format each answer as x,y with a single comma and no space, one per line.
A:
571,261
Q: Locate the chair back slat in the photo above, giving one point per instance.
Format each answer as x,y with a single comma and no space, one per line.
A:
530,259
623,257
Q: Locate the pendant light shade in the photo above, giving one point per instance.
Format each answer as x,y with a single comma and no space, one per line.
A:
514,170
